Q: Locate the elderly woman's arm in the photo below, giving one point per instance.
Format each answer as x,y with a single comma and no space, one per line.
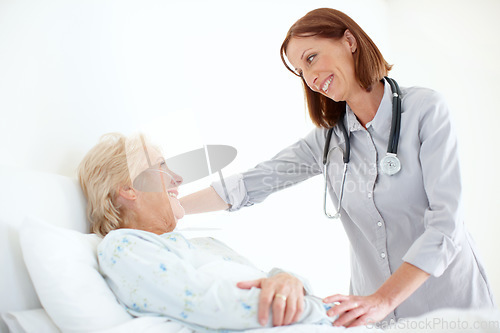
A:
171,276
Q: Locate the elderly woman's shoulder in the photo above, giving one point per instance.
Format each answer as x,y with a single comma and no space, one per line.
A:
124,237
127,238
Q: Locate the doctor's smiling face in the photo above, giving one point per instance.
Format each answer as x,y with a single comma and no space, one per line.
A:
326,64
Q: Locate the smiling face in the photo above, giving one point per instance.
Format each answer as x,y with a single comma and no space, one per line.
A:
160,182
326,64
170,182
153,194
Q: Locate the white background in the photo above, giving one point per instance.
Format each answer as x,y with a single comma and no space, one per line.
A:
194,72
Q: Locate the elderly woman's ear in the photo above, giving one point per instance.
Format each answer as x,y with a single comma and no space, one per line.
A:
126,194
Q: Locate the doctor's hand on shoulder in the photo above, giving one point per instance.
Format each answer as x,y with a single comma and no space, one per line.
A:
283,293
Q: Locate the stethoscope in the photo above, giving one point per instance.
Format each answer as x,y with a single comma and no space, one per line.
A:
389,164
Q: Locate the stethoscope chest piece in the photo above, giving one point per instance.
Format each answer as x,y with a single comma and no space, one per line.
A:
390,164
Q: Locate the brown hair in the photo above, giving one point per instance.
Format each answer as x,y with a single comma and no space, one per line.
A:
370,65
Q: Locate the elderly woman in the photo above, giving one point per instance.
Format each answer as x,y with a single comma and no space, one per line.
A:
151,268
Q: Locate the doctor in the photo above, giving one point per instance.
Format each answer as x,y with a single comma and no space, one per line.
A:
401,208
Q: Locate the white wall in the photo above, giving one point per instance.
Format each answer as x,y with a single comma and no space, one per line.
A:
453,46
194,73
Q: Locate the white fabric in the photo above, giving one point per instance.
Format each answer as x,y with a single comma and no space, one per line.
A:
442,321
63,266
148,325
38,321
53,198
30,321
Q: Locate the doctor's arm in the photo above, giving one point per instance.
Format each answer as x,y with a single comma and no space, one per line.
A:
203,201
291,165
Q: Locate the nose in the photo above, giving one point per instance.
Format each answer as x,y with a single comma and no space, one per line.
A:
176,179
311,79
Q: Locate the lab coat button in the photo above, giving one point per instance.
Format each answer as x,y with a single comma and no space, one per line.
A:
379,223
369,195
382,255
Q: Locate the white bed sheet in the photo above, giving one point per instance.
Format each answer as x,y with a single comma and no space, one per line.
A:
441,321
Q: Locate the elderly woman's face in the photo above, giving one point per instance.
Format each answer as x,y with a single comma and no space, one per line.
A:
327,65
167,182
158,189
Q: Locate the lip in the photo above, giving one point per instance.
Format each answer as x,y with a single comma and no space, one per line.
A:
174,191
324,81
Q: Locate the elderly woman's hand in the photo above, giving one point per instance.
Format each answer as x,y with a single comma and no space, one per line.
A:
285,292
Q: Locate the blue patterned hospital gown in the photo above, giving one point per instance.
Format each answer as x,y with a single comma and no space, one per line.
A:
189,281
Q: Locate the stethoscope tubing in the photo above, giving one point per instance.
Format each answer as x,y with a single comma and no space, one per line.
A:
392,146
325,174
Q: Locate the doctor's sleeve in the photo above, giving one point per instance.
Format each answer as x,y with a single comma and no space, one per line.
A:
290,166
436,248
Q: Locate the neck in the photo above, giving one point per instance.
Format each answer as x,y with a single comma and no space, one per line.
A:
365,104
148,221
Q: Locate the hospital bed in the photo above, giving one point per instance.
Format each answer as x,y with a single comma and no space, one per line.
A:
50,281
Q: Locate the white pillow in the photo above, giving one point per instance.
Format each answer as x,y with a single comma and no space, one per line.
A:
29,321
62,264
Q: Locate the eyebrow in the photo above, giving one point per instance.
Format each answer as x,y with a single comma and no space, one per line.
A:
302,56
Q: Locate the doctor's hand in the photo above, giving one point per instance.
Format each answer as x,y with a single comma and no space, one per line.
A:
357,310
284,292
